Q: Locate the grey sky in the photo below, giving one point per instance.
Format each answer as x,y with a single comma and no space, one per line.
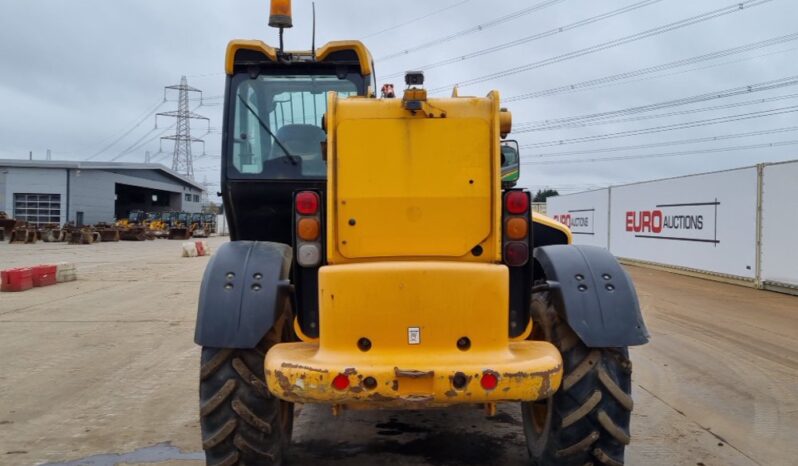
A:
77,74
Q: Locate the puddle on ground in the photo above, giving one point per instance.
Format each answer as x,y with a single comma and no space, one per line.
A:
154,454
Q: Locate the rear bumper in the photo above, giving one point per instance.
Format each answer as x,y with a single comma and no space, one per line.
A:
413,314
527,371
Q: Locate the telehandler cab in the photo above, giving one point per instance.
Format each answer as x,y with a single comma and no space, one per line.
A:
381,257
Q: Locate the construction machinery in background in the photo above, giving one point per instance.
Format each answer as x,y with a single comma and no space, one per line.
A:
156,225
382,257
133,228
7,224
209,219
18,231
198,228
137,226
80,235
107,232
180,227
23,234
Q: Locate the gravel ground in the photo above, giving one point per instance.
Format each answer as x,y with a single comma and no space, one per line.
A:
104,371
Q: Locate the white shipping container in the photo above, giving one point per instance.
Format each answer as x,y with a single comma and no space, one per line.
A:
586,214
780,224
704,222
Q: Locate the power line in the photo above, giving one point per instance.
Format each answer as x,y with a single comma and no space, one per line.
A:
471,30
659,115
667,154
661,144
138,123
654,69
419,18
533,37
677,126
735,91
139,144
610,44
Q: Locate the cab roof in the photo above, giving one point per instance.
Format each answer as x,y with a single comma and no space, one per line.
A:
327,52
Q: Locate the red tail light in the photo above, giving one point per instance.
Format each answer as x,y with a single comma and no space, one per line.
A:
517,219
340,382
516,202
307,203
489,380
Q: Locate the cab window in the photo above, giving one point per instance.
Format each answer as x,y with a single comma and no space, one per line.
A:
276,131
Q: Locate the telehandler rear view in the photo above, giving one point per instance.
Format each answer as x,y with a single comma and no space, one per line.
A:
381,257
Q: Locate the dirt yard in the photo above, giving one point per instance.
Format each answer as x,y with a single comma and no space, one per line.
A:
104,371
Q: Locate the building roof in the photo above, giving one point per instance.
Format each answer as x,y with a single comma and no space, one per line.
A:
80,165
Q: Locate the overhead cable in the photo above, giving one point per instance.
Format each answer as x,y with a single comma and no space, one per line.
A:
473,29
419,18
610,44
657,115
673,127
706,96
533,37
768,145
654,69
138,123
721,137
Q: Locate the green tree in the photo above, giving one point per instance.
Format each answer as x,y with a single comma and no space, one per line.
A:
212,208
541,195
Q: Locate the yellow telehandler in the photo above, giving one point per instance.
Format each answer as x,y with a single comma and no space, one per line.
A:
382,257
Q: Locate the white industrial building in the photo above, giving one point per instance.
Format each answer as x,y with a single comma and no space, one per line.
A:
90,192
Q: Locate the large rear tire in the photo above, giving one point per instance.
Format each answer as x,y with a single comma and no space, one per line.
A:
587,420
241,421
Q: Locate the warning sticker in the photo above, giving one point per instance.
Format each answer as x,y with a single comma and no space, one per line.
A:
413,336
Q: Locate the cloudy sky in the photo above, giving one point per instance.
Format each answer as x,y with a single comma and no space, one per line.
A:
83,78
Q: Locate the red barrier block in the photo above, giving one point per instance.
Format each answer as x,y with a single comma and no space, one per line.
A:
200,248
44,275
16,279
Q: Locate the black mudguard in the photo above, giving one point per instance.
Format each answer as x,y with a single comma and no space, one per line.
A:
595,294
244,287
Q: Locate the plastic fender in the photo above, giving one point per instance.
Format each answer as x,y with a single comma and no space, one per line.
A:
244,286
594,293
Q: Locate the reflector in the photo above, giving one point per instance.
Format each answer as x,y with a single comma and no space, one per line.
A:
309,255
516,254
340,382
489,380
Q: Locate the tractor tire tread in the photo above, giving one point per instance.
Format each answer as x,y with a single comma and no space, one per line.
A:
217,399
583,410
605,459
613,389
588,363
592,408
220,435
250,417
210,367
580,446
239,418
229,460
250,378
612,428
245,446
